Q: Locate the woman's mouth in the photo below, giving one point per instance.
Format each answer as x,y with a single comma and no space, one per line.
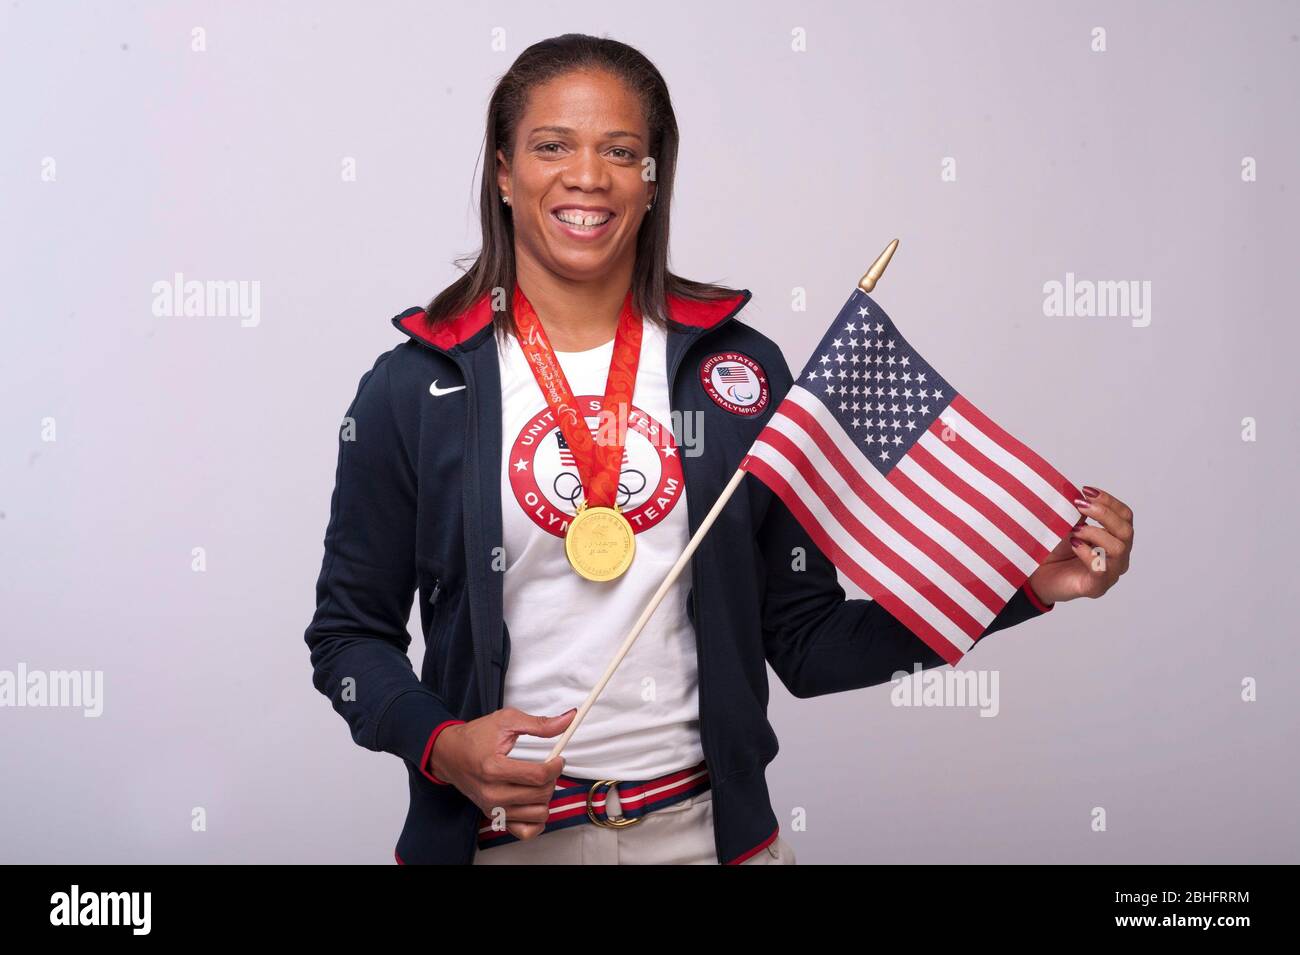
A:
579,224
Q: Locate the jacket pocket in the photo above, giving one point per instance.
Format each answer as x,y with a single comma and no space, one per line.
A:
436,636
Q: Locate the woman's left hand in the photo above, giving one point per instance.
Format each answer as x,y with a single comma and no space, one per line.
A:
1092,558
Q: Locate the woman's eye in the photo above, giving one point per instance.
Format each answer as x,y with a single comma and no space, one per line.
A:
543,146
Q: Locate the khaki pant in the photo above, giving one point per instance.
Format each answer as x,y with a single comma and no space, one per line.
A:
680,834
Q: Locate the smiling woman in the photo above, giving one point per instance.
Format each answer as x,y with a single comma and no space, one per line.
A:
483,472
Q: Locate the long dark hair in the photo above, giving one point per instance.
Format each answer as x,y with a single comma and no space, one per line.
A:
493,266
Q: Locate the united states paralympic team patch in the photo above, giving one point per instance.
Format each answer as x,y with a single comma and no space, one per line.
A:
735,382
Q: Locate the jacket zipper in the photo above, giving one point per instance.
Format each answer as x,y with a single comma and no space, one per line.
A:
471,428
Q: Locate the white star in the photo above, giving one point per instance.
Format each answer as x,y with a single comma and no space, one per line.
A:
521,465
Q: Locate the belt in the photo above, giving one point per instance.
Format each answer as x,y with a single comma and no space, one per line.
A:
578,801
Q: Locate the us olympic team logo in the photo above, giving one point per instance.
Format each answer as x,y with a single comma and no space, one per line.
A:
735,382
548,487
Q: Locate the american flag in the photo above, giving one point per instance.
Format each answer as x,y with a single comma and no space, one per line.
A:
937,513
566,453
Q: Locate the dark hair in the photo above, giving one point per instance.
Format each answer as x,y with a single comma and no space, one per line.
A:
494,264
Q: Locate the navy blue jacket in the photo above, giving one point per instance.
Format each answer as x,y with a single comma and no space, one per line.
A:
417,508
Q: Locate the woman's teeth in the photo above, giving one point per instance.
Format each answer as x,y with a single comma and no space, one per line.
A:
583,220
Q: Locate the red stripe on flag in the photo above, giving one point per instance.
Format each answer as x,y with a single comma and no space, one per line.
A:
1044,470
922,584
899,610
1001,477
995,515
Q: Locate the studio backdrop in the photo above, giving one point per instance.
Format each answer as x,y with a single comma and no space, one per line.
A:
1097,209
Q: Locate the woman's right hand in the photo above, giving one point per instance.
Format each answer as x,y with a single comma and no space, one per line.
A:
473,757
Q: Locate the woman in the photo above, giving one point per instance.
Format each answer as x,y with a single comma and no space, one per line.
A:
468,472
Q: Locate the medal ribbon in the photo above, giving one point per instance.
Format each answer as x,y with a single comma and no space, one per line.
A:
598,464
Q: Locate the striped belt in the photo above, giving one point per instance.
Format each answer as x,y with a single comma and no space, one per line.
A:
577,801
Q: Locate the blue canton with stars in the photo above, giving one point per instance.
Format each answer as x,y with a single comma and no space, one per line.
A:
881,392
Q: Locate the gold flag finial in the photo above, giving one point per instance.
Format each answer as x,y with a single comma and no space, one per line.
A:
868,281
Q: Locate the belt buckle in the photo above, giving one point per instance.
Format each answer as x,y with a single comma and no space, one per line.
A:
621,822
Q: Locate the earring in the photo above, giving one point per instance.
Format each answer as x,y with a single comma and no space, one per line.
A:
506,200
649,206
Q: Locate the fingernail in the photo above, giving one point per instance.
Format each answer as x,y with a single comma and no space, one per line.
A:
1075,542
1090,491
1081,503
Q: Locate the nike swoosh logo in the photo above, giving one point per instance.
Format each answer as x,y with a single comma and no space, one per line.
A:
438,392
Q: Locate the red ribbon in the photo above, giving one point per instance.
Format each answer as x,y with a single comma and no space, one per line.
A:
598,464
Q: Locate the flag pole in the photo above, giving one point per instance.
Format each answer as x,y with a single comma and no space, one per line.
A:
866,283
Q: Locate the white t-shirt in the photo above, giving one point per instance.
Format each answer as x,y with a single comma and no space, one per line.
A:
565,629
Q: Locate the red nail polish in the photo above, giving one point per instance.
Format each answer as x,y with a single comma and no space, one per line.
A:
1075,542
1080,502
1090,491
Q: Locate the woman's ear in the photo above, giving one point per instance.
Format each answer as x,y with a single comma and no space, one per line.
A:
503,174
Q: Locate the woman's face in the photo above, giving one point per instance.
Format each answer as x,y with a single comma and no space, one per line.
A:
578,154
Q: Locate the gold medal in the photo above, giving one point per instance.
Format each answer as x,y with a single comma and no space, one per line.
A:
599,542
